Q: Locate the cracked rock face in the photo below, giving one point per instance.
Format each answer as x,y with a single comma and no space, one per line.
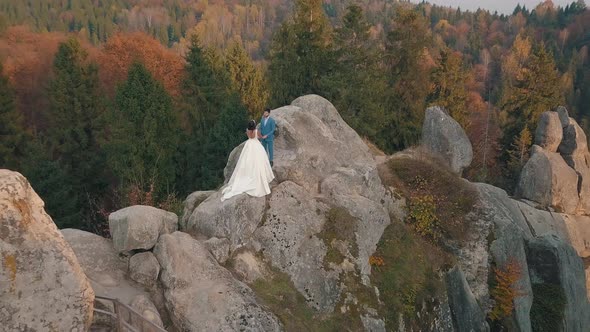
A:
42,286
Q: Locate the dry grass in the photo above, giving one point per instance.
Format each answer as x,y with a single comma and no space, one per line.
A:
418,176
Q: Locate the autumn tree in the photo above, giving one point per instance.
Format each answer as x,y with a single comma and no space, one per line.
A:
12,132
406,48
144,136
75,112
536,89
448,90
247,79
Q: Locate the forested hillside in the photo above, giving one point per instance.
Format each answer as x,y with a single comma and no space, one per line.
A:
106,103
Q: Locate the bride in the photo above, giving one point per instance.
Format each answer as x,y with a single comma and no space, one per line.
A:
253,172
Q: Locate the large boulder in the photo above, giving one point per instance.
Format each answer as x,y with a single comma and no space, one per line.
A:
145,308
203,296
564,117
144,268
313,141
190,204
574,140
139,226
235,219
42,286
443,136
466,313
105,268
549,181
288,238
551,261
549,131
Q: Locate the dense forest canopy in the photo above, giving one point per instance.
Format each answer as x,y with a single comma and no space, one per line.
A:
105,103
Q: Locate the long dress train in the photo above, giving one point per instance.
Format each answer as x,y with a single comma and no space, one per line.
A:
253,172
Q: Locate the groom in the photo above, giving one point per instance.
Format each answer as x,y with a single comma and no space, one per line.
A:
267,130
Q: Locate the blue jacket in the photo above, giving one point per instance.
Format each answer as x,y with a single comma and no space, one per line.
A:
268,129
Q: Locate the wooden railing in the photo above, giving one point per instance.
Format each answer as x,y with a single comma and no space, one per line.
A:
126,319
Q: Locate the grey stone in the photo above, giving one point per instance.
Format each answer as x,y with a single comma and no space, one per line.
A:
144,268
581,165
549,132
542,222
190,204
42,286
578,233
203,296
288,239
501,209
564,117
549,181
467,315
147,309
574,140
235,219
219,248
509,248
314,141
248,267
105,268
372,324
139,226
444,137
552,261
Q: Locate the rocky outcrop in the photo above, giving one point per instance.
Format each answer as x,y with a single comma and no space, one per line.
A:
203,296
139,226
553,262
549,131
42,286
467,315
144,268
443,136
190,204
549,181
235,219
145,308
219,248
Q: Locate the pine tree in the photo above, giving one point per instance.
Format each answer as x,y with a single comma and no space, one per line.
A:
75,123
536,89
54,185
357,86
246,79
12,133
300,53
449,90
144,140
227,133
405,47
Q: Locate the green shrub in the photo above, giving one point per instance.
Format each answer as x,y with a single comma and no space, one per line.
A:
548,307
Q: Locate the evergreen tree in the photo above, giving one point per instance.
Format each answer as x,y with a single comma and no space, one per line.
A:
145,135
55,186
358,84
246,79
227,133
300,53
12,133
449,91
405,47
75,112
536,89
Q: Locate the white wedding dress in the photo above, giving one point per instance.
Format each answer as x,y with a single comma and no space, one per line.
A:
253,172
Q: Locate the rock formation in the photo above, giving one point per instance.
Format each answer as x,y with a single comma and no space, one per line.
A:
444,137
42,286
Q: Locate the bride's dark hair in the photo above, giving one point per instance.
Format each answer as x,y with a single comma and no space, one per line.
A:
251,125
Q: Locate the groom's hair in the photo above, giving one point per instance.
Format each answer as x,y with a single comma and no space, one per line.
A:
251,125
267,110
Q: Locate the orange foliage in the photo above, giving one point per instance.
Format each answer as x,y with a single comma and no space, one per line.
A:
123,49
505,290
27,58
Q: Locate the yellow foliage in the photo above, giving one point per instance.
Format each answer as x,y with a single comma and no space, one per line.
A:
423,216
505,290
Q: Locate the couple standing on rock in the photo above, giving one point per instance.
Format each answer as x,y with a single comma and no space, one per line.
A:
253,171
